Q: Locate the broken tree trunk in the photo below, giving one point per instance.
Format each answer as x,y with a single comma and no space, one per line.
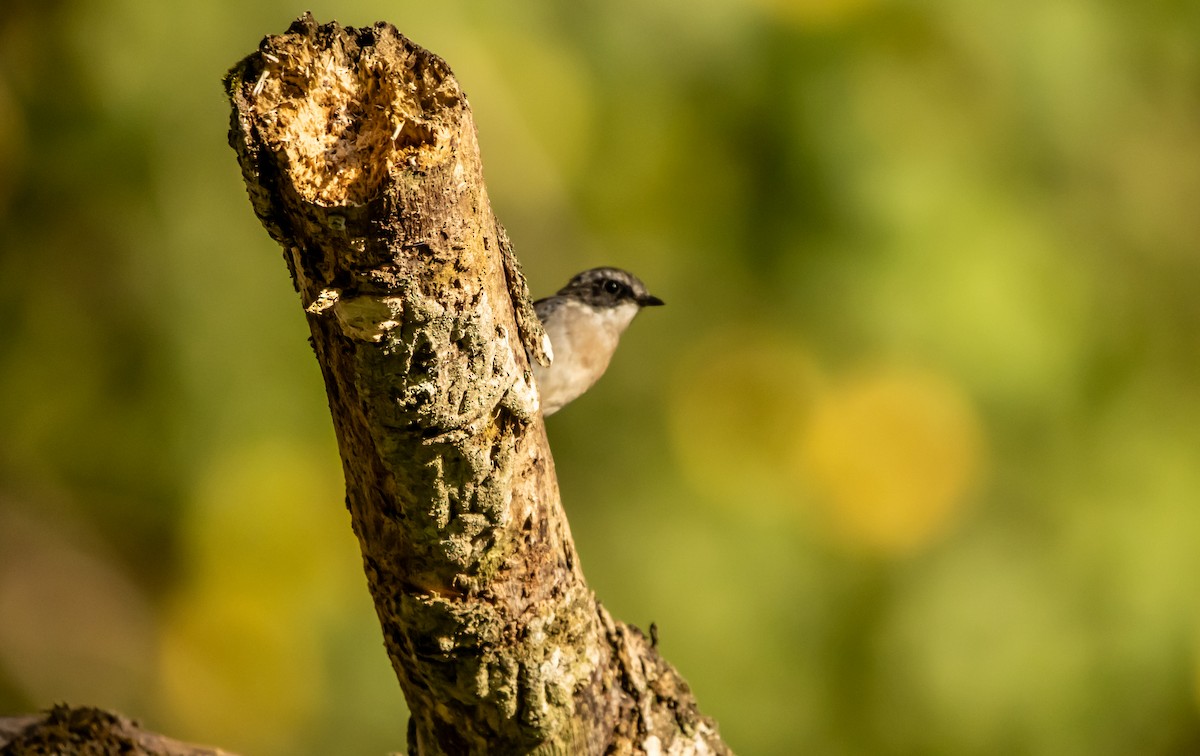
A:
359,152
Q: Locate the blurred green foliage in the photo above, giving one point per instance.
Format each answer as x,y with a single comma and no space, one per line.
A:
910,464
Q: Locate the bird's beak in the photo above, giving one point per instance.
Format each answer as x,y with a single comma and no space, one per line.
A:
650,301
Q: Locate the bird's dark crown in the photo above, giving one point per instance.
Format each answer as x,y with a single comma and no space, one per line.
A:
609,287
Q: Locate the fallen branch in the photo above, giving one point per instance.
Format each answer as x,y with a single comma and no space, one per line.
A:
84,731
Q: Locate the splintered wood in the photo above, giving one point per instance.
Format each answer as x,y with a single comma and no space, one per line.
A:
345,118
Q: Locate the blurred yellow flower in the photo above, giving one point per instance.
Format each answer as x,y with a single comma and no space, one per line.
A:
892,455
271,563
240,670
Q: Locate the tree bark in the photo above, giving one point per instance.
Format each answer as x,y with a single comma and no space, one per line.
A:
359,153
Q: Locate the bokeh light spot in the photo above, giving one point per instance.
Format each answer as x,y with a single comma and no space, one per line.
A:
272,565
892,454
737,402
236,670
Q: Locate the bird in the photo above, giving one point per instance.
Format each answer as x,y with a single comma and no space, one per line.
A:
584,321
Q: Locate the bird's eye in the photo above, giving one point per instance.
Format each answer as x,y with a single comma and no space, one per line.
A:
612,287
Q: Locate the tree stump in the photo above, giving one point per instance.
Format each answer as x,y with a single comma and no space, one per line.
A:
359,153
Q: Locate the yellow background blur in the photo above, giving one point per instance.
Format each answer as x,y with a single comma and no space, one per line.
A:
909,464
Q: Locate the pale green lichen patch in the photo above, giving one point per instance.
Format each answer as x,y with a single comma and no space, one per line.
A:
365,318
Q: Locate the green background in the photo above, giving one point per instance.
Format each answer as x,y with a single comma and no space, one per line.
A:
909,464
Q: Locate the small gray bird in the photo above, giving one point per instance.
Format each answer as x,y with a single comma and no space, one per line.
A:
584,321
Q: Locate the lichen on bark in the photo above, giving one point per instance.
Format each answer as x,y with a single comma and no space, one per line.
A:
360,157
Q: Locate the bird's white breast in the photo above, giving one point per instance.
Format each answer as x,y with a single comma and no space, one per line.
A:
584,339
